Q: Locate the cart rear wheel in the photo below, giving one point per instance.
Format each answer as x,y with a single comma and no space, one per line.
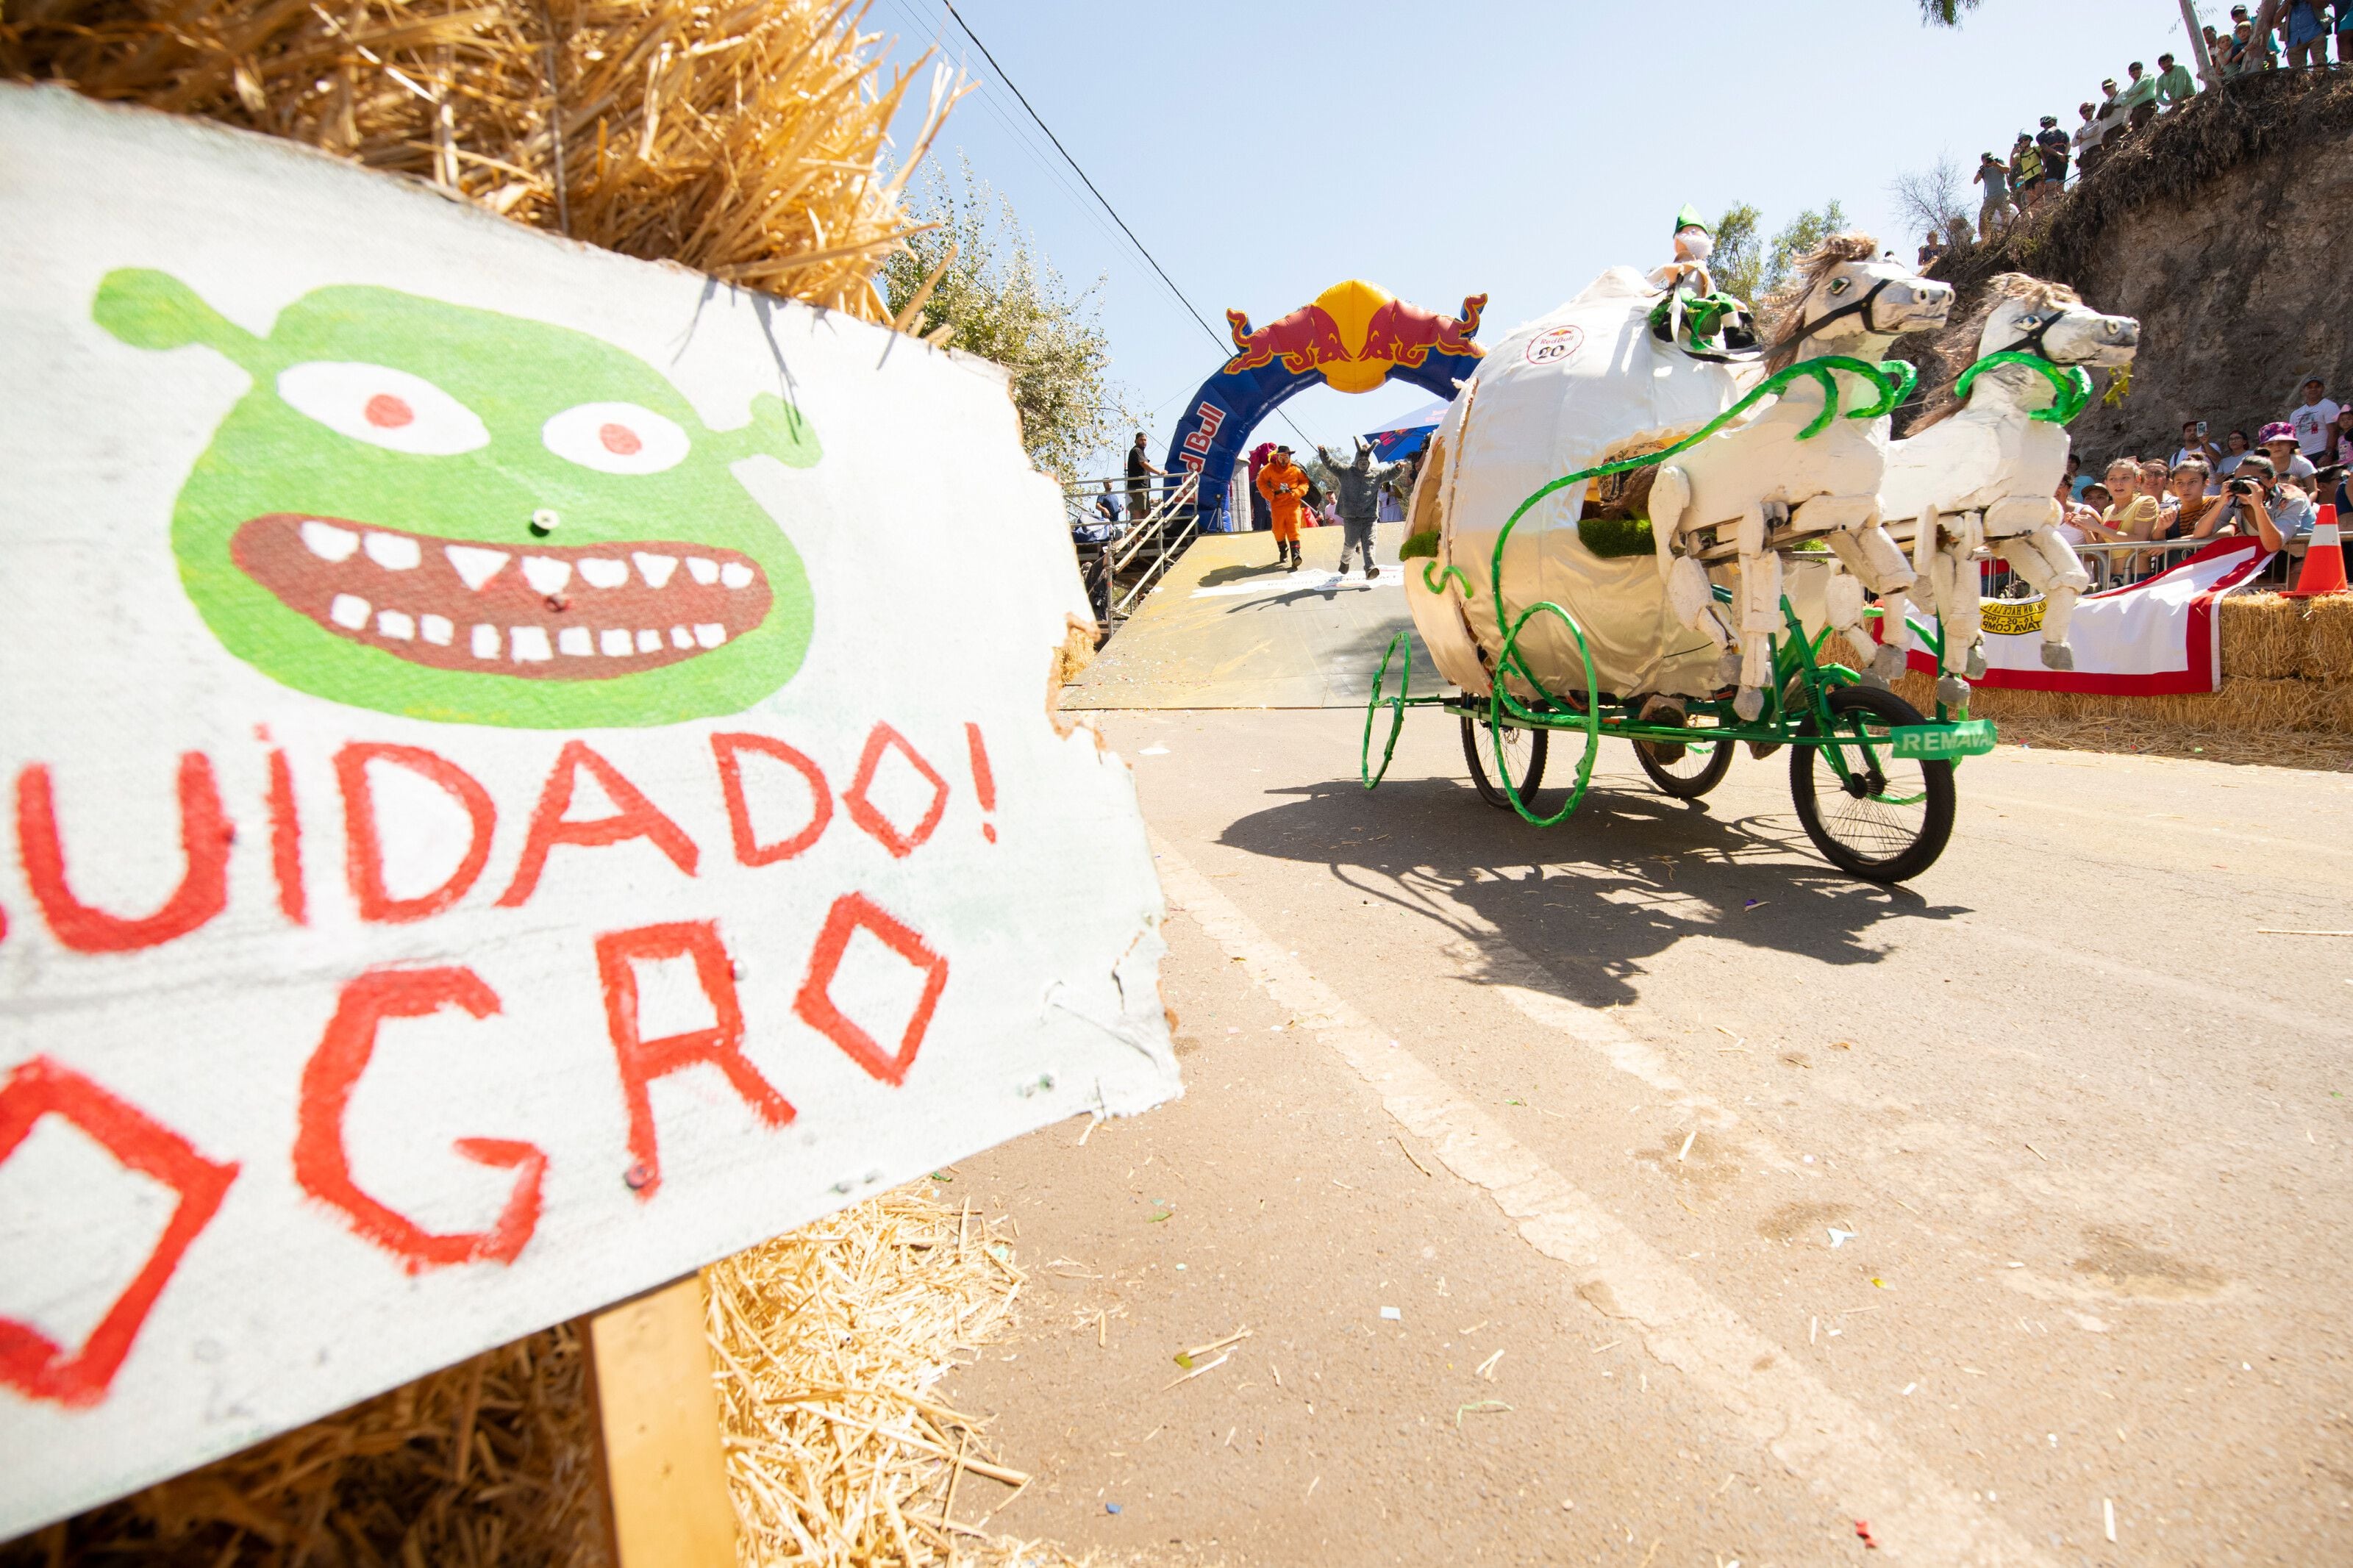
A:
1524,754
1872,814
1700,768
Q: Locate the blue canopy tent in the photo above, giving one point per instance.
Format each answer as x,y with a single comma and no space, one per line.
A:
1408,435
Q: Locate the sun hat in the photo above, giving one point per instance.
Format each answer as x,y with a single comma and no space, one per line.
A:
2277,430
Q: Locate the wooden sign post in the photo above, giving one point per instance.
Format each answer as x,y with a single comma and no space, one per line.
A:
527,771
658,1429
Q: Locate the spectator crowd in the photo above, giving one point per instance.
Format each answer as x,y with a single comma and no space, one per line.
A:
2040,162
2269,487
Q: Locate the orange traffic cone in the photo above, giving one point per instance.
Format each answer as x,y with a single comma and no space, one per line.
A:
2323,560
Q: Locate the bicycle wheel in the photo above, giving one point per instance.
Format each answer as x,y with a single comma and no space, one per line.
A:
1872,814
1523,753
1700,768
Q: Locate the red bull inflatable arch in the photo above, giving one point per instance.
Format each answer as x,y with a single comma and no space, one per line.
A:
1354,336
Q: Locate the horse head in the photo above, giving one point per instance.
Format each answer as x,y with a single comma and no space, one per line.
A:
2028,315
1843,300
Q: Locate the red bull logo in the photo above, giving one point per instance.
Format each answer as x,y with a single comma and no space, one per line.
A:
1389,334
1303,339
1404,334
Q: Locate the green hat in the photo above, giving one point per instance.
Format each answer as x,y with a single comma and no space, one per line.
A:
1689,218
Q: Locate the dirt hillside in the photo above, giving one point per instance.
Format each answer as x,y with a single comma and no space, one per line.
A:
2226,229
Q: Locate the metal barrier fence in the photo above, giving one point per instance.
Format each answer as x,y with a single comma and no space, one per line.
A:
1120,558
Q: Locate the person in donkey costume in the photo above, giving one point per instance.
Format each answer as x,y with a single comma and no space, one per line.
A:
1693,316
1359,487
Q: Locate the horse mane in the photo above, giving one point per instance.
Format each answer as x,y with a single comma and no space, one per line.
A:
1957,345
1784,308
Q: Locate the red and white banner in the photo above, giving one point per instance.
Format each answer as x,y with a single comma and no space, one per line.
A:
2152,639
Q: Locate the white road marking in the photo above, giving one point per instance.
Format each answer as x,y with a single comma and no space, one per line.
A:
1821,1436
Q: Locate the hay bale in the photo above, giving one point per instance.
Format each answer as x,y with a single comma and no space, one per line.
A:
490,1459
2328,638
2263,637
744,140
826,1347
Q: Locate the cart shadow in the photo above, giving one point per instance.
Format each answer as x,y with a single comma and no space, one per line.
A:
1597,897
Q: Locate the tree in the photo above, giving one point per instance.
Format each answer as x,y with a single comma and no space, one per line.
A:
1945,12
1930,199
1002,300
1738,265
1804,232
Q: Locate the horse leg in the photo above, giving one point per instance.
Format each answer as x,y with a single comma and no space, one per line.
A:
1960,607
1689,594
2049,564
1856,533
1842,607
1760,612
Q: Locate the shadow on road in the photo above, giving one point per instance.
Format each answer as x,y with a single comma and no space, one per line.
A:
1629,874
1235,573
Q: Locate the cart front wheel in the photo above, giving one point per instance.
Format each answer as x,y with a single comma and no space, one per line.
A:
1524,754
1698,768
1872,814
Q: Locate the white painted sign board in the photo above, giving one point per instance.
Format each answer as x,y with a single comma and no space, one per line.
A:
527,771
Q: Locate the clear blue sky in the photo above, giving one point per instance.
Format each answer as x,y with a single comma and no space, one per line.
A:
1266,151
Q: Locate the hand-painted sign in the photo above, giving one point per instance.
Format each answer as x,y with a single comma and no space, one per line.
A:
527,772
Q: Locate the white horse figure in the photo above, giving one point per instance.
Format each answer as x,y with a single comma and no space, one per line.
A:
1758,487
1983,473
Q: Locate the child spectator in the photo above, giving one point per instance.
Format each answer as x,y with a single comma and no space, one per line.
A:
2133,514
2241,56
2187,501
2314,420
2076,521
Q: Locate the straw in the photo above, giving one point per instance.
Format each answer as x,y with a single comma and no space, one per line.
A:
827,1346
746,140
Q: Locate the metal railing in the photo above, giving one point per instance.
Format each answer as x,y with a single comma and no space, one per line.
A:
2117,564
1119,569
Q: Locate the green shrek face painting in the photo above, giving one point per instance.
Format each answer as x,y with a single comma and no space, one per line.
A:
457,515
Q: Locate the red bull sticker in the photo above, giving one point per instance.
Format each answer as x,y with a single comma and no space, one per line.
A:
1554,346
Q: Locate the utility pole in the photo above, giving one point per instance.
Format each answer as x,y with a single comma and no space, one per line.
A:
2198,44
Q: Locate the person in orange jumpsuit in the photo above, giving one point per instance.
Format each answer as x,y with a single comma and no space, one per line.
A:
1283,483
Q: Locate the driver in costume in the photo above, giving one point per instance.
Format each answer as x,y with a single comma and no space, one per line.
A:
1283,483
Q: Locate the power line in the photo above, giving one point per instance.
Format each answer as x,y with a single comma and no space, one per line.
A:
1082,173
1140,248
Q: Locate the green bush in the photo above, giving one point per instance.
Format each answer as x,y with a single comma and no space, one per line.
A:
1611,537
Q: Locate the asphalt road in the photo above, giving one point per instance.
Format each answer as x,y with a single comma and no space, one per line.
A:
1730,1209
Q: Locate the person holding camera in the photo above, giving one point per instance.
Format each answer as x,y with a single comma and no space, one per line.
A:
2258,502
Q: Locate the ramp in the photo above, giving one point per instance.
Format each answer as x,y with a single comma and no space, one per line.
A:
1230,629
